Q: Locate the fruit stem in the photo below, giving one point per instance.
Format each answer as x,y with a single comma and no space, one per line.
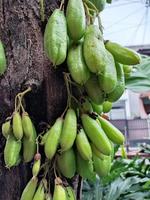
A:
61,5
42,10
68,90
100,23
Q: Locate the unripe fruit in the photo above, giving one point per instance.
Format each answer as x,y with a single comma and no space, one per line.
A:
29,190
27,125
17,126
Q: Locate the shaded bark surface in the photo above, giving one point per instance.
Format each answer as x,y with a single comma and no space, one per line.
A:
21,31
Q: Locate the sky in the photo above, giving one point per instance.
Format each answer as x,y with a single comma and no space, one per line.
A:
127,22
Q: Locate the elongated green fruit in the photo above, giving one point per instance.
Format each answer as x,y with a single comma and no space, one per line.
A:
97,152
29,190
76,19
29,146
85,168
69,130
2,59
76,65
17,126
83,145
27,125
93,90
108,79
97,108
94,50
122,54
102,167
53,138
36,164
6,129
107,106
11,151
59,191
40,193
67,163
111,131
100,4
70,193
55,37
96,134
120,87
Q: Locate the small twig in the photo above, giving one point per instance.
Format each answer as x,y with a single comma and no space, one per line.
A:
61,5
42,10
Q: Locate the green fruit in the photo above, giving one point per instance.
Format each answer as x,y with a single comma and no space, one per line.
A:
97,108
2,59
112,132
69,130
36,164
76,65
120,87
83,145
99,4
108,79
94,31
70,193
85,168
53,138
96,134
76,19
122,54
44,138
127,68
6,129
67,163
102,167
86,107
17,126
59,191
40,193
93,90
107,106
12,151
55,37
94,50
97,152
29,190
27,125
29,146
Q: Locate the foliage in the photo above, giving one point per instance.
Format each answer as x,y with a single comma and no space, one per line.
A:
139,81
128,180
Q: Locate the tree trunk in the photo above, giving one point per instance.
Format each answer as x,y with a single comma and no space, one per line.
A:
21,31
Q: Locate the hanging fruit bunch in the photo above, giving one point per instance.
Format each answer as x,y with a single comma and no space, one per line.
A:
81,141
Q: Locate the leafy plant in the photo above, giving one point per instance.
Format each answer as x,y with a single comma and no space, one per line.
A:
139,81
128,180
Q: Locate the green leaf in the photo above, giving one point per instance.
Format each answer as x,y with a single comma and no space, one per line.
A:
140,78
137,196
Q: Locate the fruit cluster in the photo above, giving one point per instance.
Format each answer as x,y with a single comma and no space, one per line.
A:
20,133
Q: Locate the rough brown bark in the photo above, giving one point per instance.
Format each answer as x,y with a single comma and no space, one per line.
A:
21,31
